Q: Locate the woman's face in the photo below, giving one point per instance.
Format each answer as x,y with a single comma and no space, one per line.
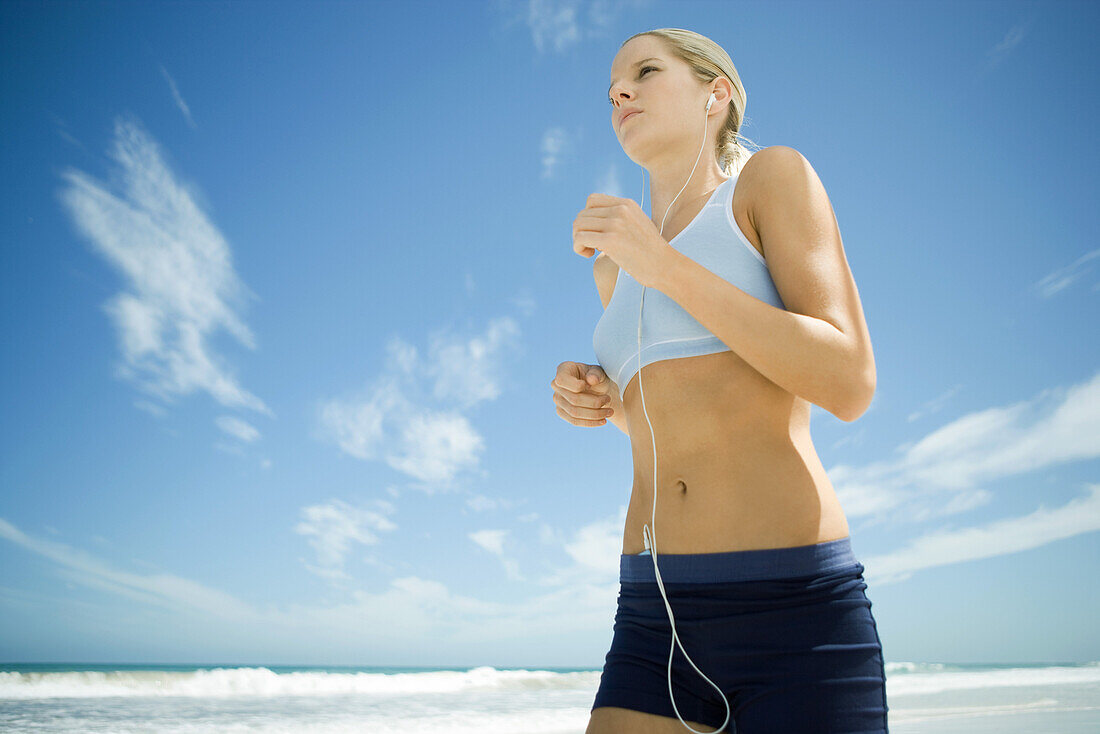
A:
646,77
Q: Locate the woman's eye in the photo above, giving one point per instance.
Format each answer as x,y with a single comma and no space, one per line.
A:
640,74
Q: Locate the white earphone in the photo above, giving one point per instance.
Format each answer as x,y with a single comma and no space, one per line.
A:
648,534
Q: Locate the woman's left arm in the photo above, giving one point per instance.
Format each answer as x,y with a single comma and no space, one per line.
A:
818,348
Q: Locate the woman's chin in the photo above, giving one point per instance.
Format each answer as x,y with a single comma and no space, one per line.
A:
635,154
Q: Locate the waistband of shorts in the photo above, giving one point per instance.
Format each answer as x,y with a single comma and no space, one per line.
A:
743,565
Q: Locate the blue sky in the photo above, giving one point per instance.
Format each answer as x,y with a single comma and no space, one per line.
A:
284,286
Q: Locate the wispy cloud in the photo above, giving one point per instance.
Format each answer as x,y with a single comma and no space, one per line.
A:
609,185
162,590
377,624
934,405
1057,426
1012,38
394,419
183,288
945,473
177,96
997,538
332,528
493,541
61,128
237,428
481,503
524,301
593,548
151,408
553,23
1062,278
558,25
554,143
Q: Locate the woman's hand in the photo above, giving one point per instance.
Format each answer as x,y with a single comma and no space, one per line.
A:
582,393
619,228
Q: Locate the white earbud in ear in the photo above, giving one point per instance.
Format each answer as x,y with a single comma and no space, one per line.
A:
711,101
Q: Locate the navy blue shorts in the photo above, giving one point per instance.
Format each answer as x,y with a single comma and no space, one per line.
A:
785,633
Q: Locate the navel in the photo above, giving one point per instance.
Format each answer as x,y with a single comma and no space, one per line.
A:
682,485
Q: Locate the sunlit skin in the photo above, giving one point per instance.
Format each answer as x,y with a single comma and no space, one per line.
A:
737,469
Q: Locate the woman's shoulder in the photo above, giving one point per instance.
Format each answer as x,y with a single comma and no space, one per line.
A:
769,162
767,170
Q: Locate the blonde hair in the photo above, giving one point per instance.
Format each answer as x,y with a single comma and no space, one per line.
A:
708,61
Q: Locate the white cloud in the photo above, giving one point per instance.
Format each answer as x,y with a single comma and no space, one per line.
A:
997,538
599,544
1057,426
1063,277
493,541
237,428
490,540
436,446
553,23
481,503
595,549
554,143
388,623
332,527
547,534
183,289
609,185
151,408
935,405
393,419
1012,39
470,371
177,97
557,25
524,301
162,590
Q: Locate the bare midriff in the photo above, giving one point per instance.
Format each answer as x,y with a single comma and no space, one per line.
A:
736,469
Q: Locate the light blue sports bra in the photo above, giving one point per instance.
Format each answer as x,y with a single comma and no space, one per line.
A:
713,240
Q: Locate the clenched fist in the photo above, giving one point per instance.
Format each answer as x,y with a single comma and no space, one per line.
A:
583,393
620,229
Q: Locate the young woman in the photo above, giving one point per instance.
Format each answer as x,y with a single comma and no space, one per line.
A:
749,313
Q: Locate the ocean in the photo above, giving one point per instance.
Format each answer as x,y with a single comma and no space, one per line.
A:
943,698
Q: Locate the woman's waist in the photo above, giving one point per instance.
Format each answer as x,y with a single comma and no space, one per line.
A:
759,506
736,459
712,524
